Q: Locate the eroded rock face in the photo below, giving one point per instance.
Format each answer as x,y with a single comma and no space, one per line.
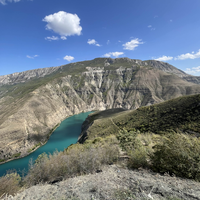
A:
28,119
21,77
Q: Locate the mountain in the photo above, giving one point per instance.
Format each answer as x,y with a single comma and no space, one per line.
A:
32,103
26,76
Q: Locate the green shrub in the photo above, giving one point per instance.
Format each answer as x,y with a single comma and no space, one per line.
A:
178,154
138,156
16,155
132,143
127,139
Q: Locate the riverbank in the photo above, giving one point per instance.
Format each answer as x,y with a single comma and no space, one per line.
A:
34,148
59,138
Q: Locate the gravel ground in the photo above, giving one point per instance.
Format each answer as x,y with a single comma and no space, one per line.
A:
113,183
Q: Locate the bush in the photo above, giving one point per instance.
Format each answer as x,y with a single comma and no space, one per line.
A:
76,160
137,146
138,156
9,184
178,154
127,139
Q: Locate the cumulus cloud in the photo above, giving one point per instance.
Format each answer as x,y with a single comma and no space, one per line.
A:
68,58
193,70
164,58
32,57
192,55
63,23
4,1
114,54
52,38
132,44
93,42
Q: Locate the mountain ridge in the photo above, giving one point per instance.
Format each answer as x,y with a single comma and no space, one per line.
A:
20,77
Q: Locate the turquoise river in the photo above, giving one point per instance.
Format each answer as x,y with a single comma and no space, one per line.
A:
66,134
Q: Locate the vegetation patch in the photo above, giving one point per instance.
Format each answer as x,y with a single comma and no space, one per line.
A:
76,160
179,115
124,194
177,154
16,155
10,184
33,148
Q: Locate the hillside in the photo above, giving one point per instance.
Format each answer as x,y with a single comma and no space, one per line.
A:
34,102
181,114
121,154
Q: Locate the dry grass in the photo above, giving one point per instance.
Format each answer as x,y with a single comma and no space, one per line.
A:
10,184
77,160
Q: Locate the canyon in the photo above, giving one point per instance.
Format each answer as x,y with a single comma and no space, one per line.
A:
32,103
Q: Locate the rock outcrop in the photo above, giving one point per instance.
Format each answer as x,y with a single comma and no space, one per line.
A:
21,77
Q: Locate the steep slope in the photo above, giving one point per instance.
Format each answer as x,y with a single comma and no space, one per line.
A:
20,77
30,110
179,114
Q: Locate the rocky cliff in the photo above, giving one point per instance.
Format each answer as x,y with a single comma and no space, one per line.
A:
31,107
20,77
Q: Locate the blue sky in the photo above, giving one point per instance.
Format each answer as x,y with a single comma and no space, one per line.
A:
45,33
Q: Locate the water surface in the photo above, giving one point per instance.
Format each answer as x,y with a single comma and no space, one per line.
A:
66,134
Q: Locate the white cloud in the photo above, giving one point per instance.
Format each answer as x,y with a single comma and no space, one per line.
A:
152,29
63,23
108,42
68,58
164,58
63,38
132,44
4,2
188,56
93,42
193,70
52,38
32,57
55,38
114,54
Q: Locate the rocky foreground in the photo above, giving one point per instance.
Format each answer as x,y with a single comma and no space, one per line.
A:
115,182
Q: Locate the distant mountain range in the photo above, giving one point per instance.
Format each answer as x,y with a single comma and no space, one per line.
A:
32,103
